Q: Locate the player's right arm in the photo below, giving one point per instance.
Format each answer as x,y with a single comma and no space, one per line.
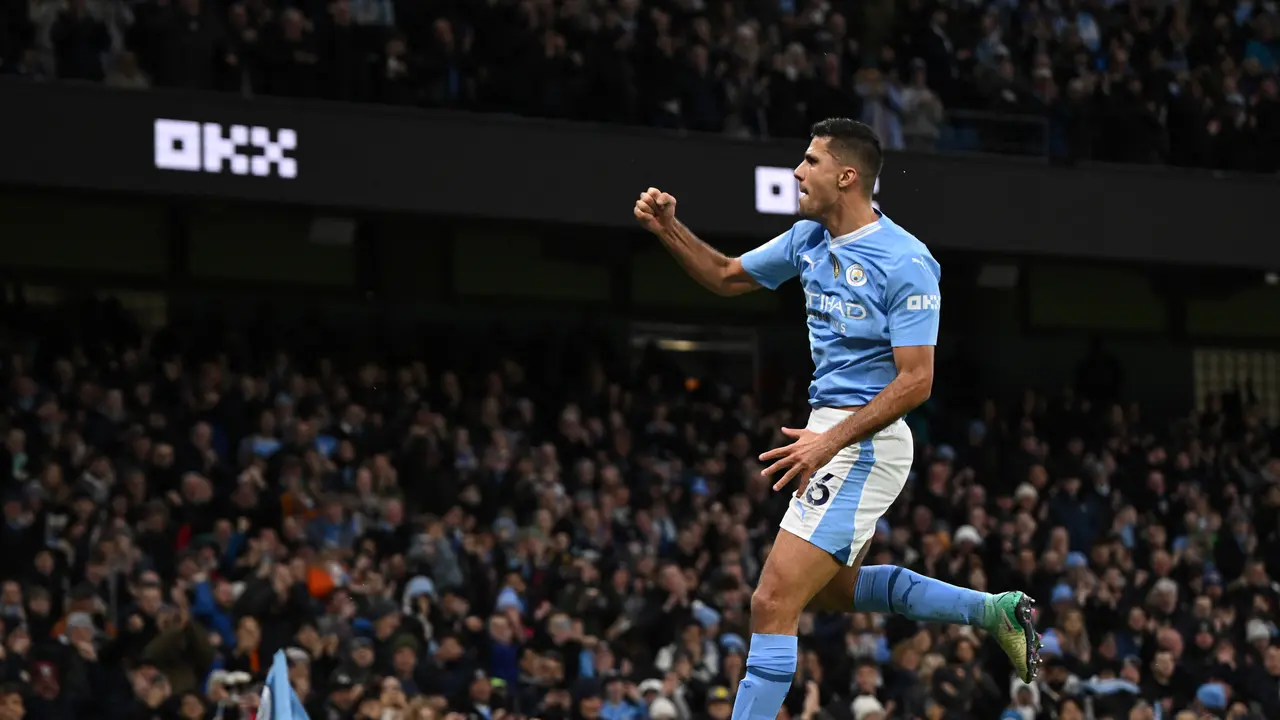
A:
766,266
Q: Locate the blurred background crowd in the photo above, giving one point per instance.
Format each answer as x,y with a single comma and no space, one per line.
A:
1183,82
474,525
530,530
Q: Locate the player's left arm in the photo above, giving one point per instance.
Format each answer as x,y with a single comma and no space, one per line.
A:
914,303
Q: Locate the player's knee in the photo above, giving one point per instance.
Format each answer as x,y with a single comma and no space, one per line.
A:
766,604
774,609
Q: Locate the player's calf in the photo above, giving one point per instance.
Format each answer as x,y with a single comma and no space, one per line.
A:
1007,616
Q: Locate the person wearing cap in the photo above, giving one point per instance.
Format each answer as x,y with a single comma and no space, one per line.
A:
733,643
1026,496
480,695
405,650
663,709
649,690
867,707
343,698
719,702
967,535
1258,634
360,659
1211,699
417,587
588,699
1076,562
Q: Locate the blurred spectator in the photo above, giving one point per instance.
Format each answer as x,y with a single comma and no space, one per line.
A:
446,67
125,73
397,73
79,43
881,105
17,35
179,44
373,13
292,63
240,67
922,113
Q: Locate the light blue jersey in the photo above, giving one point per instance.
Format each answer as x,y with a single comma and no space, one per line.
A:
866,293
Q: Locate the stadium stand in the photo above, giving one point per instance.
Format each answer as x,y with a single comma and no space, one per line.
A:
493,540
1185,83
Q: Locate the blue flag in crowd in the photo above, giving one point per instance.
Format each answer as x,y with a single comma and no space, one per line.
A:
279,701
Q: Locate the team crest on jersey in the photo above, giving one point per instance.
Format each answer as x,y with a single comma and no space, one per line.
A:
835,266
856,275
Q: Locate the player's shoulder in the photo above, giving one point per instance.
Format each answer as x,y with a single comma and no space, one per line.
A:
806,232
901,248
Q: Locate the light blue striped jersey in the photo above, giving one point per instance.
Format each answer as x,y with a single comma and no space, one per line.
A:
866,293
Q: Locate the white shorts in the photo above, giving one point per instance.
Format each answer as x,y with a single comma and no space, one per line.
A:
846,498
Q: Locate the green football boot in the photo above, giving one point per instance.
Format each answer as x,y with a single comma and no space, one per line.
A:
1009,619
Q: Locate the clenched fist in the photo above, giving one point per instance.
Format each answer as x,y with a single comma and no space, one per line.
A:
655,210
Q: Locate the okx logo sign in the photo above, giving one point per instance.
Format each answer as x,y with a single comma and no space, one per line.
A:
190,146
778,193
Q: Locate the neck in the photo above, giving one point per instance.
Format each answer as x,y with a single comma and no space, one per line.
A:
844,218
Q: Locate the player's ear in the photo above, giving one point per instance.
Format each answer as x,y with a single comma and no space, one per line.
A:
848,177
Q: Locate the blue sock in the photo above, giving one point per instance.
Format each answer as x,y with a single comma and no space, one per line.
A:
771,663
889,589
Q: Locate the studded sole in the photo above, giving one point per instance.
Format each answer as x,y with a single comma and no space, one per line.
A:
1026,612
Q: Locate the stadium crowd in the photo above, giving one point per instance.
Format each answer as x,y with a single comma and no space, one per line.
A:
528,534
1140,81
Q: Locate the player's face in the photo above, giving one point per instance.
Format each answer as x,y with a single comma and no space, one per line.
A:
820,175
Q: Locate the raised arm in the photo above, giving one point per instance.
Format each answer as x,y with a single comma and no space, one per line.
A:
766,266
712,269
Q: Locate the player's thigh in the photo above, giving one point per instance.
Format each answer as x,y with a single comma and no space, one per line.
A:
794,572
881,465
837,594
845,499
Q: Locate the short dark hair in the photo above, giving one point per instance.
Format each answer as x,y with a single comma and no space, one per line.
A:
856,144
